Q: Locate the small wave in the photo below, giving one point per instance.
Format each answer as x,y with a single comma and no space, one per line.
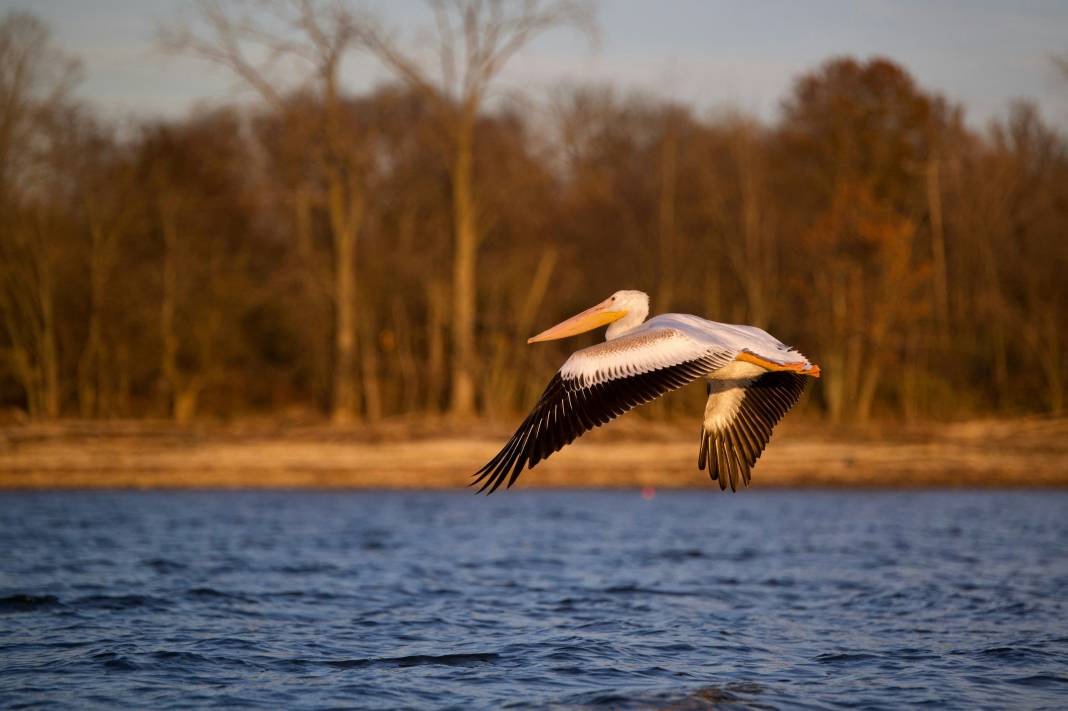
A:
164,660
306,568
639,590
914,654
680,555
416,660
301,594
213,594
562,656
1014,654
1043,681
731,695
744,555
23,602
115,662
844,657
732,692
163,565
229,643
181,659
1015,609
119,602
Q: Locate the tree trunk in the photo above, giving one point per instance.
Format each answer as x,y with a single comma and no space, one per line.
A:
345,218
186,400
668,161
996,313
168,337
1042,333
836,350
372,390
436,296
754,273
120,404
501,390
407,365
711,292
938,250
462,398
50,363
90,365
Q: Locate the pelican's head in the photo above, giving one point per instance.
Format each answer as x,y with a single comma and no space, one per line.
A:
628,307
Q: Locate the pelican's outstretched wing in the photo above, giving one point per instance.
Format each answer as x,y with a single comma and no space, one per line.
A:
739,416
599,383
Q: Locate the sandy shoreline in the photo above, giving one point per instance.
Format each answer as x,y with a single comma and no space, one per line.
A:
1019,453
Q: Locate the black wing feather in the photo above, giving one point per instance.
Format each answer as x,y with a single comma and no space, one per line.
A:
731,452
567,409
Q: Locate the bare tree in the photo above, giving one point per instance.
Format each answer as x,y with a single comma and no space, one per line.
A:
253,40
752,254
109,199
475,39
206,265
35,82
669,152
35,79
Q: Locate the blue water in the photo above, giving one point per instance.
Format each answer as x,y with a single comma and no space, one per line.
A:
534,599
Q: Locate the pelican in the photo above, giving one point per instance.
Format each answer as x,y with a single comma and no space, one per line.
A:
752,380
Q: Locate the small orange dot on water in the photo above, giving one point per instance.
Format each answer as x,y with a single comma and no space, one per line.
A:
648,493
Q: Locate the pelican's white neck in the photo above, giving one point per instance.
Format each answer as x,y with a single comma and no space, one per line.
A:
636,304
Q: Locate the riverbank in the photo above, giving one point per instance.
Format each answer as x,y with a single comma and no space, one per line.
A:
1012,453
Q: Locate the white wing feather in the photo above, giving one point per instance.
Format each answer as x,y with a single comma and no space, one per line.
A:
669,340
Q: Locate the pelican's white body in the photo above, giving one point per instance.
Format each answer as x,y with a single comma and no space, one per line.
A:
671,339
634,346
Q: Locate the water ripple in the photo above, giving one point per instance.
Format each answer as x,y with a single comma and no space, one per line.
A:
416,660
23,602
562,600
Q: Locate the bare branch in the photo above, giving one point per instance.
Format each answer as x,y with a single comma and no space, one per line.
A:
315,33
486,33
384,46
1061,63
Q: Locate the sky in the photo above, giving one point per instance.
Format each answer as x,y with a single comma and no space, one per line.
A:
711,54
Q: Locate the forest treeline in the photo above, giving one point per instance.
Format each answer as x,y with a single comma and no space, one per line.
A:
364,255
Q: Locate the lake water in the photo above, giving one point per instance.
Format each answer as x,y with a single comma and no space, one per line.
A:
534,599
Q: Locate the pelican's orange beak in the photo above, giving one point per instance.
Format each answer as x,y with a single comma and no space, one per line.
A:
600,315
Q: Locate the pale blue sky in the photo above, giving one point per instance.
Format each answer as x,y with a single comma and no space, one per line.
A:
709,53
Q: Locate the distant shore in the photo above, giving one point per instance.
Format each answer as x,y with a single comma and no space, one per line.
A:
148,455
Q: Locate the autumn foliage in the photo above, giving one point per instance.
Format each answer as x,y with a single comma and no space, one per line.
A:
194,268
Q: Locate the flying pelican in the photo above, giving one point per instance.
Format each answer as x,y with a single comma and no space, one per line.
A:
752,380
